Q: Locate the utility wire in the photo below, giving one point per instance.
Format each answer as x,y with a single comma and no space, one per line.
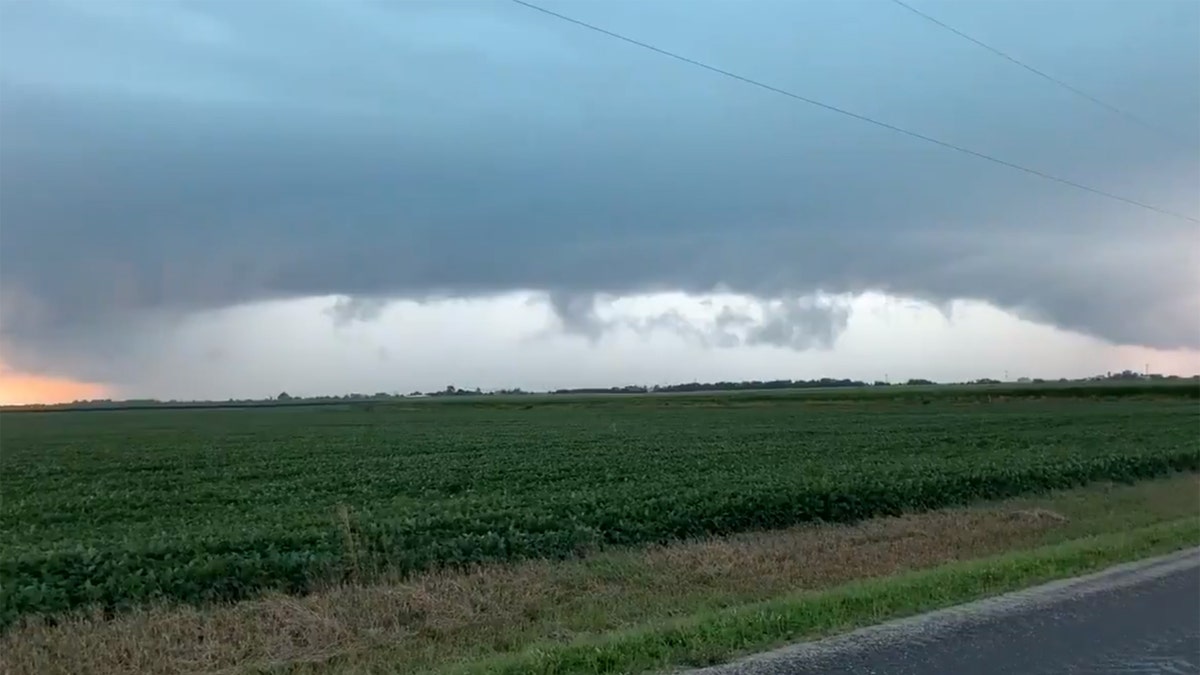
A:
842,111
1042,74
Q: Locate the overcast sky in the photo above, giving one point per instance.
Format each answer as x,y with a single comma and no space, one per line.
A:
214,199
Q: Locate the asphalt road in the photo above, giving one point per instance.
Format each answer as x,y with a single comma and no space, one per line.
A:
1136,619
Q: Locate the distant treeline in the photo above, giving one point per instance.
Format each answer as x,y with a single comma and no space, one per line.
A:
1115,384
745,385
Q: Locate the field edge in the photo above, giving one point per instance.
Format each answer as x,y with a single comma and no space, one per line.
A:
716,637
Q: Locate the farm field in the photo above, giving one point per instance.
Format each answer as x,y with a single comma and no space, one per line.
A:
641,609
118,508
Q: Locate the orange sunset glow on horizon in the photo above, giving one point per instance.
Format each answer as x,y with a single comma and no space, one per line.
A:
22,388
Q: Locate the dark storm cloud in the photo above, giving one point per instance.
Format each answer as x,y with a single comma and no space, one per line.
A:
175,156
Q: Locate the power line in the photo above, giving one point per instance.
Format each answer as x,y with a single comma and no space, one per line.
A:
1042,74
863,118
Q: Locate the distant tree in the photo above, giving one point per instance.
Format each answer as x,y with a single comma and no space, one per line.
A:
825,382
919,381
283,396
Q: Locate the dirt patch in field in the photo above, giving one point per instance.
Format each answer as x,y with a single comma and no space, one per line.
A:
772,562
438,617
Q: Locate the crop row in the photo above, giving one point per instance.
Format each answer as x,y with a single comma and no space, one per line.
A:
118,579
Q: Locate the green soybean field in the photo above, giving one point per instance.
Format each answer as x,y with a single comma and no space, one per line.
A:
118,507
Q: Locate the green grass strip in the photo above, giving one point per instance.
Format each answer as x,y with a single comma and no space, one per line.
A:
716,637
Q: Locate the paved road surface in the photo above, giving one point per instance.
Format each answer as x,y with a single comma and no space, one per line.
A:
1136,619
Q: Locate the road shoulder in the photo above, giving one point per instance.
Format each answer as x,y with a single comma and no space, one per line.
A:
1140,602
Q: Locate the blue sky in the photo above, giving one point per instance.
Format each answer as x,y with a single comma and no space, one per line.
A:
160,160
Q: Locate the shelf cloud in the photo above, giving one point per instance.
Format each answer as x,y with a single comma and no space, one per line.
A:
168,158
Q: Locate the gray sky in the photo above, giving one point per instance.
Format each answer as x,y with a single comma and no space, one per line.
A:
162,161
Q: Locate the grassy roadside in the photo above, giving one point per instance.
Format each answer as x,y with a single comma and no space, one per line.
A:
688,602
715,637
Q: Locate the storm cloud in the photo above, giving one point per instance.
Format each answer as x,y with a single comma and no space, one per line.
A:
159,158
